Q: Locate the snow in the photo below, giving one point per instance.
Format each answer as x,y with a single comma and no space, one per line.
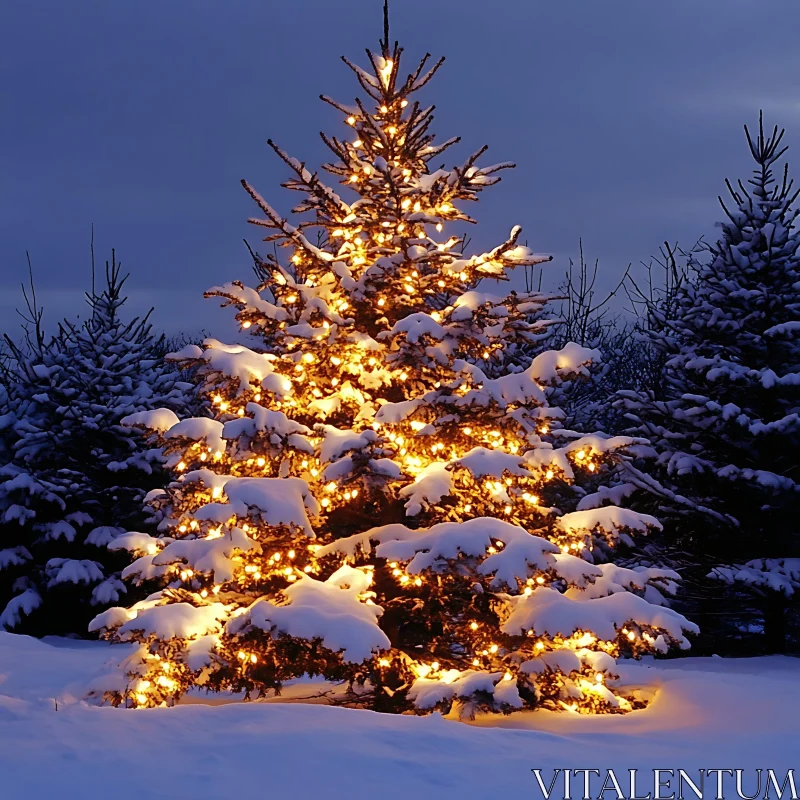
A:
327,610
571,359
211,556
427,692
157,419
446,540
199,429
778,574
518,388
175,620
609,519
20,606
705,714
547,612
337,442
482,462
72,570
242,364
281,501
432,484
264,420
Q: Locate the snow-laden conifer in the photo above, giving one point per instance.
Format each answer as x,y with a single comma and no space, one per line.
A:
376,500
73,477
726,421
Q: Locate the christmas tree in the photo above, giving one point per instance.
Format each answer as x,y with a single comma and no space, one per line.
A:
72,476
374,501
725,423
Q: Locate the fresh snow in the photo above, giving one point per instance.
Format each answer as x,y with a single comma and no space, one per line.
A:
329,610
706,713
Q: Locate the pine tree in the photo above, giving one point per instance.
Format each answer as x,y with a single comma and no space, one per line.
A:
374,501
725,418
75,478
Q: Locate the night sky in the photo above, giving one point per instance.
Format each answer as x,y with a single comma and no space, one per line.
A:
624,118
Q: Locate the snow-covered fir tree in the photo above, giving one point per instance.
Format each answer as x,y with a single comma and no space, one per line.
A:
373,501
73,477
726,420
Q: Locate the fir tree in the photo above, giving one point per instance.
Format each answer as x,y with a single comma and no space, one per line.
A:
375,501
75,478
724,417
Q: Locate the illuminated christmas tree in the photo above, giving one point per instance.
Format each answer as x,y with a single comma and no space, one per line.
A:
373,501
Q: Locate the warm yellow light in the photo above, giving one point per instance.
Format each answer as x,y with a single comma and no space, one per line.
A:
246,324
351,120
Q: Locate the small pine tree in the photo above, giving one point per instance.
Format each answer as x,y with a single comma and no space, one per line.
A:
75,478
375,501
724,417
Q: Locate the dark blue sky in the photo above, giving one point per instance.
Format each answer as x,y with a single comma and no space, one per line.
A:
623,116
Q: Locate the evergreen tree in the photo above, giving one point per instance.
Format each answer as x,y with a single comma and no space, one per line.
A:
375,501
75,478
724,417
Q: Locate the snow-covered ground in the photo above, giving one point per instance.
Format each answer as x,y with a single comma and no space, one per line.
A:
707,713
